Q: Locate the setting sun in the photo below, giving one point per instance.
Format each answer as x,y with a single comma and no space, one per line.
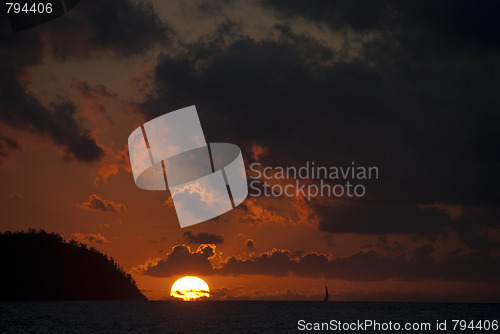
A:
190,288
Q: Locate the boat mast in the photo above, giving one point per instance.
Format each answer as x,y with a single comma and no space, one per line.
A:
326,293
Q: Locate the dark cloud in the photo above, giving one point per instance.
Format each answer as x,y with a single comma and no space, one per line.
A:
203,238
269,263
472,228
7,147
379,217
269,92
117,28
361,15
64,130
250,243
96,203
114,28
181,261
415,22
22,110
368,111
419,102
363,266
430,29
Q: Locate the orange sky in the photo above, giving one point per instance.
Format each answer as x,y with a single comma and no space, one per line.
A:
45,186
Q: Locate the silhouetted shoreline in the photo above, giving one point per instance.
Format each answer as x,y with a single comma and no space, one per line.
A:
42,266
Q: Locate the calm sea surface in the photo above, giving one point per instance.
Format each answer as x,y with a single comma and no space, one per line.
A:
238,317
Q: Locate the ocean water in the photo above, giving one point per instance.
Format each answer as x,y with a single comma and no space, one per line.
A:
241,317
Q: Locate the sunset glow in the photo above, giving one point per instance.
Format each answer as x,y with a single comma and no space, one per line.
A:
190,288
362,150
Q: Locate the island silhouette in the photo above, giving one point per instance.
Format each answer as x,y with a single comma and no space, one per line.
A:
37,265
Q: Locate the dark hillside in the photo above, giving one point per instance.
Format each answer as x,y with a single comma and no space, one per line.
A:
37,265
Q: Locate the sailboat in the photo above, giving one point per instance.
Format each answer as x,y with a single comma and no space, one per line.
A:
326,293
